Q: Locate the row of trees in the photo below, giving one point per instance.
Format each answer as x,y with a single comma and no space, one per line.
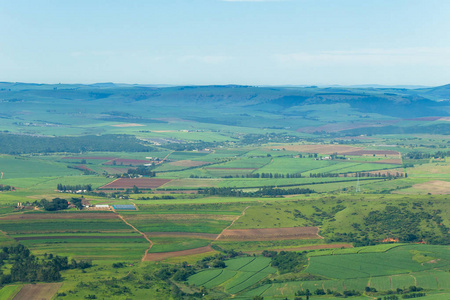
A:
266,191
73,188
423,155
141,170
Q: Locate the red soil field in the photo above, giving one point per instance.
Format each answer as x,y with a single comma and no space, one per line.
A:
164,255
393,161
142,183
372,152
127,162
264,234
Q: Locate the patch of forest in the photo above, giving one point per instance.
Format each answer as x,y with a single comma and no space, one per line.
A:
21,144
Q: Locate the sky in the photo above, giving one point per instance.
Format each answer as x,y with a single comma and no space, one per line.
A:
249,42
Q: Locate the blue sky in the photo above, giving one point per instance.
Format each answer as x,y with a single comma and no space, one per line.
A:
223,42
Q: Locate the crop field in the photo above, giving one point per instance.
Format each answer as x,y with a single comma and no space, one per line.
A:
398,260
201,223
171,244
142,183
381,283
239,274
23,167
270,234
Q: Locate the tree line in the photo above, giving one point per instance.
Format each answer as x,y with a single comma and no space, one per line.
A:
73,188
265,191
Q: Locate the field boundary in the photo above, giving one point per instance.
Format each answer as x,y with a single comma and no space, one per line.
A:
141,233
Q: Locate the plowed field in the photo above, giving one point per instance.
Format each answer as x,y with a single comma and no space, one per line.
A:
270,234
41,291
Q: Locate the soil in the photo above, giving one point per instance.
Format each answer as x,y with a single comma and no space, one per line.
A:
41,291
434,187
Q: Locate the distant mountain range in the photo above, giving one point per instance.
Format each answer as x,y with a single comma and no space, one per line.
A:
235,105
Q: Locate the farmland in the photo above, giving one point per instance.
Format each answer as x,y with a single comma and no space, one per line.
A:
372,197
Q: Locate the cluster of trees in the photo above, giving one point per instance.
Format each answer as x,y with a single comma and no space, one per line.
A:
55,204
19,144
254,138
192,146
73,188
29,268
265,191
423,155
6,188
287,262
396,222
404,224
141,170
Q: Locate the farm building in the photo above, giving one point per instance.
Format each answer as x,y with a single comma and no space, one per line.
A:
124,207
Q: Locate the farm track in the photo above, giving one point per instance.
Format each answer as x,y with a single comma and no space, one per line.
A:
164,255
141,233
235,219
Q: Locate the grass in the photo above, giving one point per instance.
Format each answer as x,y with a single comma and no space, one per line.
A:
9,291
169,244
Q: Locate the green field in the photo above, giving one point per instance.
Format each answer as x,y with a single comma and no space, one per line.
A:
238,275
